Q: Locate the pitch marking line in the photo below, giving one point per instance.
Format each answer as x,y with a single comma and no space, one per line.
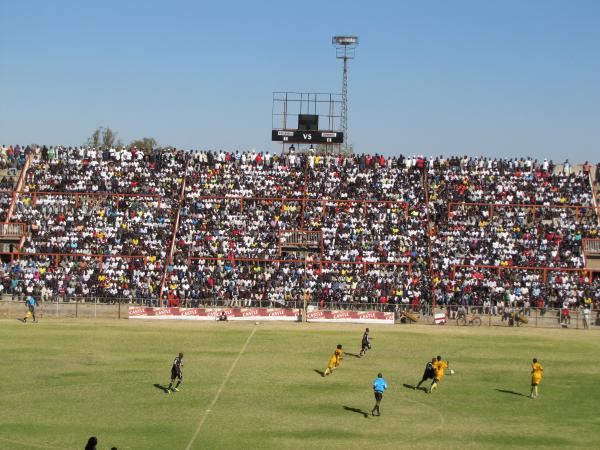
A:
218,394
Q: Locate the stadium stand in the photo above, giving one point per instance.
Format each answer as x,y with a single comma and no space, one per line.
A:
191,228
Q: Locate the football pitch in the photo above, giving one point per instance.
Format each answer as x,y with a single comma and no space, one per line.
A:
250,386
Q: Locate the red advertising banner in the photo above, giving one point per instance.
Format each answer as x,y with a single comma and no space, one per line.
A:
212,313
351,317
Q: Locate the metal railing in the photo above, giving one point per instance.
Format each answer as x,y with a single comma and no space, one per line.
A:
58,256
12,230
519,316
490,316
492,207
591,246
499,269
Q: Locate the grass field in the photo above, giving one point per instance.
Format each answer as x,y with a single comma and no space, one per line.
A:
257,387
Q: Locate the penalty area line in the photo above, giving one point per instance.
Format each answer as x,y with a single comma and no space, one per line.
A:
218,394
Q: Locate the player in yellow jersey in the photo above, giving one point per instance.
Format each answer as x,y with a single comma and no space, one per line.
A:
536,377
334,361
439,367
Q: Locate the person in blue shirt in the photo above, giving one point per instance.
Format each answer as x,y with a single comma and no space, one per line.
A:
379,386
31,304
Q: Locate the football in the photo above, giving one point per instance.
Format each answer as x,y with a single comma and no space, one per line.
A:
451,371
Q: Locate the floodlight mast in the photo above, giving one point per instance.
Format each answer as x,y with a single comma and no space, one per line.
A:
344,50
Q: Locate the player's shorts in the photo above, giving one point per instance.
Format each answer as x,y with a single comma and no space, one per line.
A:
378,396
535,382
174,374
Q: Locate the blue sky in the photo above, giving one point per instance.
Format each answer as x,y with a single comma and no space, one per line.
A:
504,78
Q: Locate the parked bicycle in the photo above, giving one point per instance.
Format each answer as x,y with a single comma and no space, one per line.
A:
469,320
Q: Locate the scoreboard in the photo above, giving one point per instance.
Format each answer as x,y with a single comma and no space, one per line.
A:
308,137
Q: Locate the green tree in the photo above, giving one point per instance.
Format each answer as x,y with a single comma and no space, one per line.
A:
104,137
146,144
94,139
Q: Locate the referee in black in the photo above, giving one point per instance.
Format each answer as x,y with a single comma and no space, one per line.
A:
428,374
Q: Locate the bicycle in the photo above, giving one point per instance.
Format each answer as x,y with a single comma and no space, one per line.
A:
469,320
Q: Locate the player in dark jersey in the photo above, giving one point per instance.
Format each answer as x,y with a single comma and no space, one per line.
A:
176,373
366,343
428,374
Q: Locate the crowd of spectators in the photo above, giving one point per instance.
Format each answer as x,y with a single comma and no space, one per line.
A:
13,158
81,278
5,201
497,290
87,202
531,215
515,181
394,230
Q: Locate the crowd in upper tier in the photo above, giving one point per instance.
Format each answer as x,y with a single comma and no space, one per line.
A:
200,227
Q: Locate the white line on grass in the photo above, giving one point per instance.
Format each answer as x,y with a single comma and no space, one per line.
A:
218,394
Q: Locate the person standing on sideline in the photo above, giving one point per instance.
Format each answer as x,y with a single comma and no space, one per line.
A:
536,377
31,304
176,373
366,343
379,386
585,314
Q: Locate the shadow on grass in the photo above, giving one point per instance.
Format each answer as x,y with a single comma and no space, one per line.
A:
162,388
356,355
504,391
357,410
413,387
320,372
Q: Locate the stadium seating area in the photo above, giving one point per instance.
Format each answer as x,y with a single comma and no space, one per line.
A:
205,227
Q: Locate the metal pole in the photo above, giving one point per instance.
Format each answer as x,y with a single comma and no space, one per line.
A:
345,100
305,309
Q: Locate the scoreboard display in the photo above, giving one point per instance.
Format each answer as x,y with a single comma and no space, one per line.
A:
308,137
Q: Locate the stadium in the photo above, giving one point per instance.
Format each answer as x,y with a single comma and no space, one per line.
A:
253,265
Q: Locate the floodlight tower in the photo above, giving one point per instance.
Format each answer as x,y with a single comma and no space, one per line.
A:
344,50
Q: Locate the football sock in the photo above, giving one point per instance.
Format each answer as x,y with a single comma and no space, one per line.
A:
177,385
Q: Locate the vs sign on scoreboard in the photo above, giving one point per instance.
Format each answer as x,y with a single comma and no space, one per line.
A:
307,137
